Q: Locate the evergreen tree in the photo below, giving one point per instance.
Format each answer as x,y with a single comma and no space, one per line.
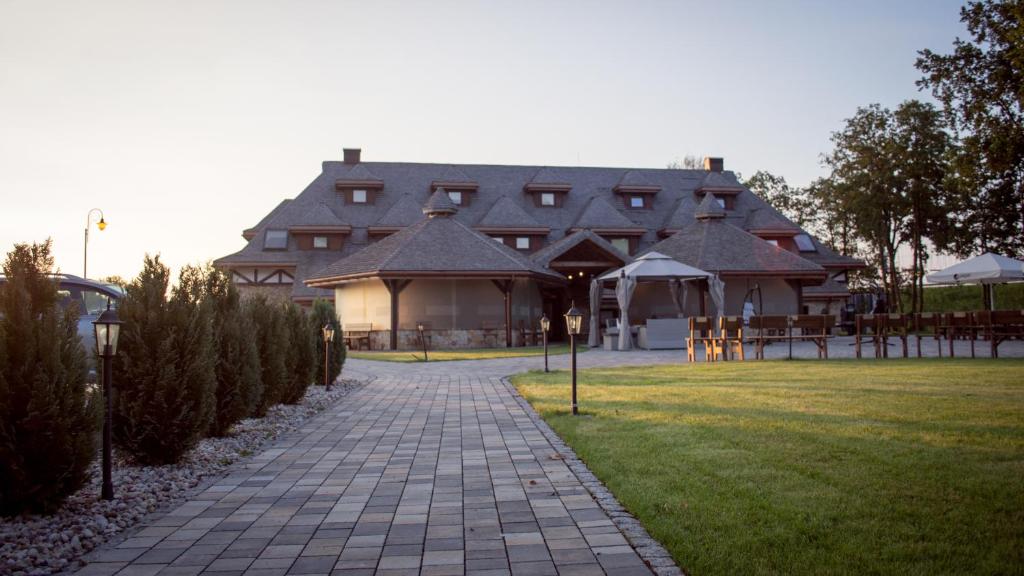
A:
164,371
48,415
272,338
323,313
301,354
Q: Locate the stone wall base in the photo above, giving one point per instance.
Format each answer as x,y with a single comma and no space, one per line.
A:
442,339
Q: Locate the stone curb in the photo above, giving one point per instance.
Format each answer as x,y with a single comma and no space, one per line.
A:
650,551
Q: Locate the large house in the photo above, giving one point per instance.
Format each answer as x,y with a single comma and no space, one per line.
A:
478,253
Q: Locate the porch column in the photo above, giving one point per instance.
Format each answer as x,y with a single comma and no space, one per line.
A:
506,289
395,288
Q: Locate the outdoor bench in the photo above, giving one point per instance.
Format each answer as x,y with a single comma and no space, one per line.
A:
357,334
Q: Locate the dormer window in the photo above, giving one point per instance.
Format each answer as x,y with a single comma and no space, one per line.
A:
499,239
319,242
547,194
547,199
803,243
455,196
358,196
637,202
522,243
721,202
773,242
275,240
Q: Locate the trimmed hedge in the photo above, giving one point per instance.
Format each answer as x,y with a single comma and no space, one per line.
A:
322,314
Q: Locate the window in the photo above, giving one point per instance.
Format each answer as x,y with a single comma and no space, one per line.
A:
636,201
319,241
275,240
721,201
622,244
803,243
359,196
499,239
841,277
773,242
547,199
522,243
456,197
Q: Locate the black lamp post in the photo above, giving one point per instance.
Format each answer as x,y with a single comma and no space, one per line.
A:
573,322
328,331
102,225
423,341
107,328
545,325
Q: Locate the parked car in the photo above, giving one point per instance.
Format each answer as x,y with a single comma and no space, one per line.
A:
90,296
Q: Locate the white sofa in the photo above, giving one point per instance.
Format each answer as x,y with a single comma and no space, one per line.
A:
664,334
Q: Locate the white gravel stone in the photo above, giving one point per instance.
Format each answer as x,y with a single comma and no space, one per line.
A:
35,545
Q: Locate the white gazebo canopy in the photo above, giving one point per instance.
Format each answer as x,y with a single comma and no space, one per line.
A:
656,266
985,269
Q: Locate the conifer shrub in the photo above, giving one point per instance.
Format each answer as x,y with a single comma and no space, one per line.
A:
237,362
164,373
321,314
273,338
301,355
49,417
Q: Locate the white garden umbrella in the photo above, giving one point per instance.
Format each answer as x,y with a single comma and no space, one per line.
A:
988,270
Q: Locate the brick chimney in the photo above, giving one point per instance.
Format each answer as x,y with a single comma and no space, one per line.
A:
712,164
352,155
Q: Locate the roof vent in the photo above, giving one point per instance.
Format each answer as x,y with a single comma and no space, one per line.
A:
352,155
712,164
439,204
709,209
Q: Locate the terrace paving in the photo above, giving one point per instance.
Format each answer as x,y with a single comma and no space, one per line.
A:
429,469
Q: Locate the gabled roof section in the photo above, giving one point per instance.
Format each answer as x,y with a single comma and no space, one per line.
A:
453,178
433,247
506,214
601,216
314,214
547,179
250,233
716,246
636,182
709,208
359,175
547,254
404,212
680,217
719,183
767,220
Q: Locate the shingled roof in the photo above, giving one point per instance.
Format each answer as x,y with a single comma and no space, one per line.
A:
437,246
507,214
402,213
545,255
599,214
716,246
769,220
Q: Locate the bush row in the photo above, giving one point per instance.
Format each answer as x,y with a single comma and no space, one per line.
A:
191,362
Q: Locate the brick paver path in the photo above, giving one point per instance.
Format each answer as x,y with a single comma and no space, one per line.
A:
412,474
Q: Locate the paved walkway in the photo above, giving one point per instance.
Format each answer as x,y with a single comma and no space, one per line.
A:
429,469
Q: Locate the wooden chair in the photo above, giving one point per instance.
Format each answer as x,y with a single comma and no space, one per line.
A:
702,331
862,324
959,325
924,321
893,325
768,328
816,328
730,329
357,334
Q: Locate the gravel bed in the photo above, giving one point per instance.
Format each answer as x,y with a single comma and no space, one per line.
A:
38,545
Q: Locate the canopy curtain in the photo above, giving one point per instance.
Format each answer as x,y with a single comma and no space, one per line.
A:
624,294
594,340
677,288
717,288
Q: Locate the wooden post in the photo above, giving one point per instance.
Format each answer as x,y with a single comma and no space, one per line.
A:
395,288
506,289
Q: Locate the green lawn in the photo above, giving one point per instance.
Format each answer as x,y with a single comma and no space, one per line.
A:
809,467
464,354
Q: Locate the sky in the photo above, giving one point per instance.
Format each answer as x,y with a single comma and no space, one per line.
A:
187,121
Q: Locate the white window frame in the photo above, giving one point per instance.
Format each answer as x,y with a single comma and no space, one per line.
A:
320,242
547,198
455,196
634,200
522,242
360,196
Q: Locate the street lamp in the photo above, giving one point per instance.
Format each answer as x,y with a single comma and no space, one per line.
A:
107,328
573,322
328,331
102,225
545,325
423,341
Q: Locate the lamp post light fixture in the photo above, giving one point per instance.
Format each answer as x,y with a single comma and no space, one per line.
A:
102,225
107,328
573,323
545,325
328,332
423,341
